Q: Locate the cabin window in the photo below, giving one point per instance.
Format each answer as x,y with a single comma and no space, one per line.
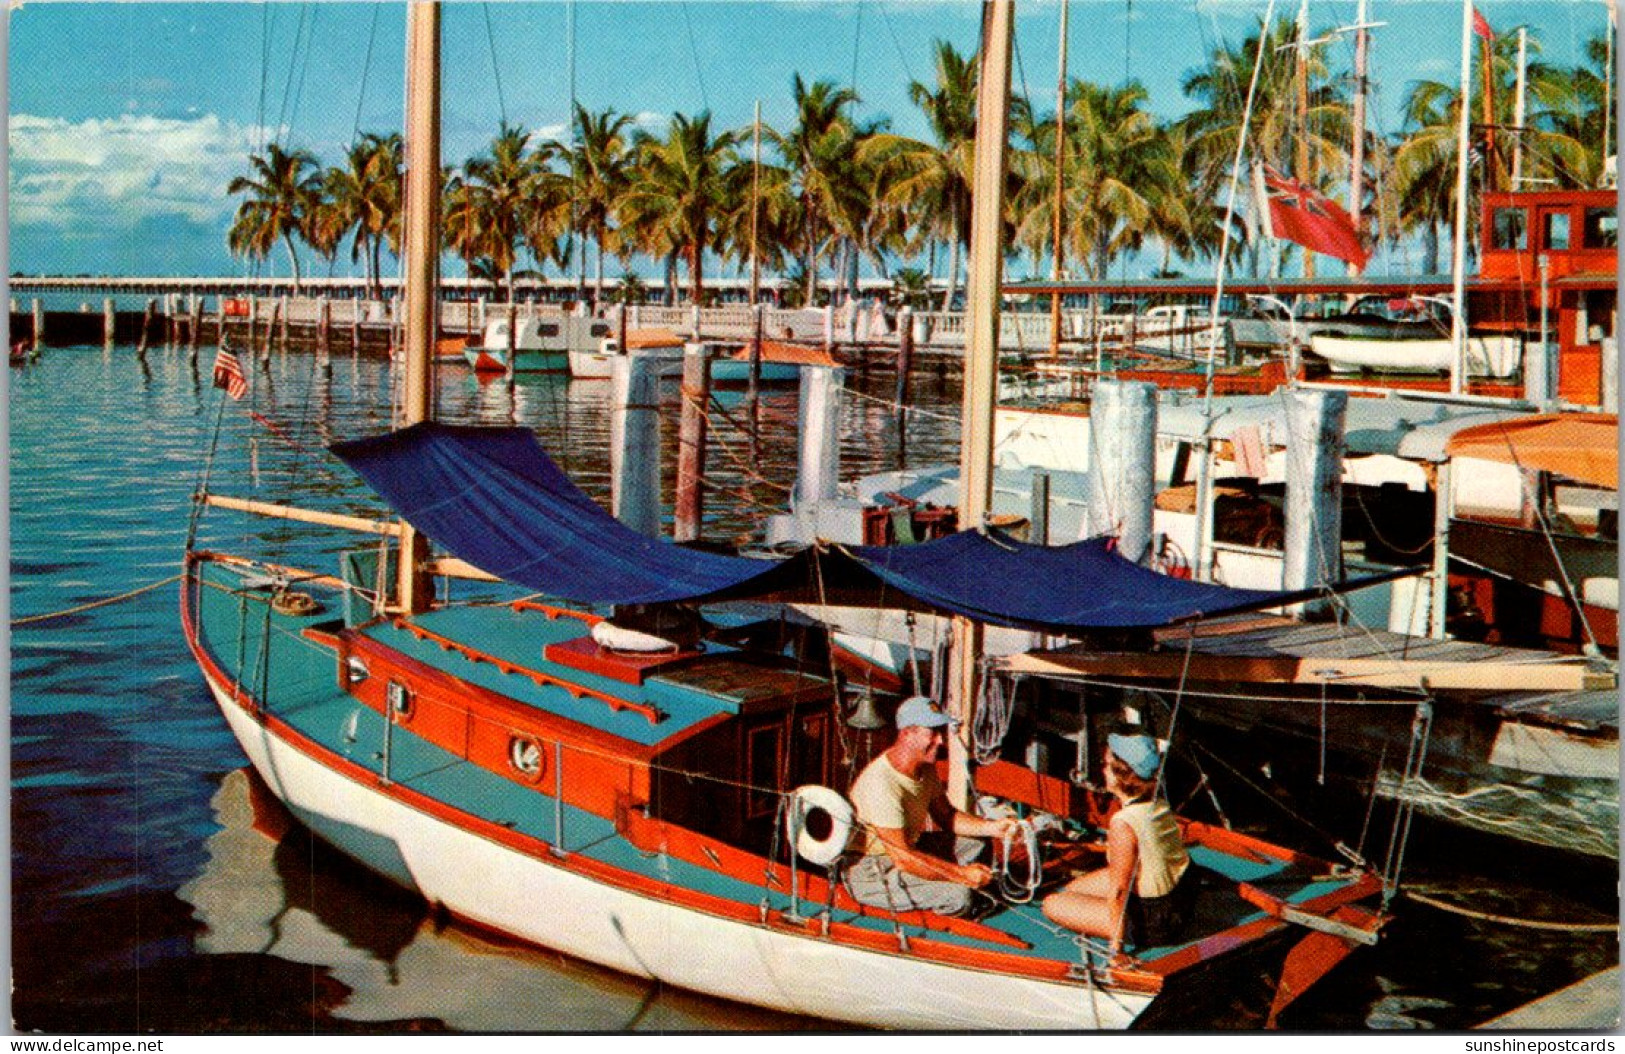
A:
1602,228
548,329
1557,231
1510,229
400,701
600,329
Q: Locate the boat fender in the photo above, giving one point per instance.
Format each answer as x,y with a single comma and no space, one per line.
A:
822,840
618,638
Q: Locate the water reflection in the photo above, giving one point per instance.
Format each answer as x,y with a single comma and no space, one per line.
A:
268,889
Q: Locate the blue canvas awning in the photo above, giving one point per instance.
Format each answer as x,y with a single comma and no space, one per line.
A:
492,497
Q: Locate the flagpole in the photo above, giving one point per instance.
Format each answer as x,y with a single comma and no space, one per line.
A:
1458,264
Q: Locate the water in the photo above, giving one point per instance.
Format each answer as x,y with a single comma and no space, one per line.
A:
155,889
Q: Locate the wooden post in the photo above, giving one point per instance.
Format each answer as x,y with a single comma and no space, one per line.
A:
109,321
357,305
753,380
634,441
146,327
194,325
690,505
694,322
513,342
1038,514
829,326
253,320
324,325
281,312
905,364
39,324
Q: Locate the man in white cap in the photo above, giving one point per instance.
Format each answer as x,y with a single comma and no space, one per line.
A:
893,797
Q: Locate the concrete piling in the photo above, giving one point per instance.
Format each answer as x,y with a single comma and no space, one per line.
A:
1314,488
900,396
818,470
1122,463
38,309
634,441
109,321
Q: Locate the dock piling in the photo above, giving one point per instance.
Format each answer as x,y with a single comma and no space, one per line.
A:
634,441
1038,515
1122,463
109,321
690,500
753,380
39,324
146,327
818,469
900,395
1314,488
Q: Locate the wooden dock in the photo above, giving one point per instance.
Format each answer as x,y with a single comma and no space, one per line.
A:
1591,1004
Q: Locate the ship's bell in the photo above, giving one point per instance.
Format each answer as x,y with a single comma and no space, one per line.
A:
865,717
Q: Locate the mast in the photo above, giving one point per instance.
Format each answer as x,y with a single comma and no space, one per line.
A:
1060,150
981,352
1487,69
1518,111
422,234
1362,40
755,203
1304,174
1458,261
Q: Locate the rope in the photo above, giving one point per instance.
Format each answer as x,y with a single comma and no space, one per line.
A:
992,720
97,603
1511,920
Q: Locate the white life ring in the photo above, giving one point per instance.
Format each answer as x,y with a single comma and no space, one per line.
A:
825,849
619,638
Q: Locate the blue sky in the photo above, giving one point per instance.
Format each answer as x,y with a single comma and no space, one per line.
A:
128,119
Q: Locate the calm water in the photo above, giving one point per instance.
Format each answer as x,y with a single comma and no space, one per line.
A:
155,889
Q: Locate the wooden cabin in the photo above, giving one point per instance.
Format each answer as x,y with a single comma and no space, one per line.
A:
1576,233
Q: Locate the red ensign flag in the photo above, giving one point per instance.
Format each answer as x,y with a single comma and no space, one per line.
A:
228,374
1299,214
1481,25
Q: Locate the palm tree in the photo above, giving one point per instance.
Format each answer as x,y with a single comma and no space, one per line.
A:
1278,133
931,182
488,202
680,188
820,153
1117,163
598,175
282,193
1570,140
364,197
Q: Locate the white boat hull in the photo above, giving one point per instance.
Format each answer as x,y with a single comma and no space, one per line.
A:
1492,356
543,901
597,365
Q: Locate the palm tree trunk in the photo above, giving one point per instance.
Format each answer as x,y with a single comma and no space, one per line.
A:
696,275
293,258
598,292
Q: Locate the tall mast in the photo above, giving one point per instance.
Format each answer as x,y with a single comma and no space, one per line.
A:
981,350
422,234
1060,188
1458,260
1304,174
1487,69
1357,153
1518,112
755,203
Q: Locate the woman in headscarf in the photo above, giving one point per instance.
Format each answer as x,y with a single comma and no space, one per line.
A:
1142,896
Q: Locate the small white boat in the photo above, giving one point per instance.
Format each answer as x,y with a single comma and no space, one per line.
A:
595,364
540,344
1493,355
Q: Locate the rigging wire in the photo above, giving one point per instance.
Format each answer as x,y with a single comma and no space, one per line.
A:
366,70
694,53
496,70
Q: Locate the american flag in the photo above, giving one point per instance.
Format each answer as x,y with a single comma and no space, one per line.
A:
228,374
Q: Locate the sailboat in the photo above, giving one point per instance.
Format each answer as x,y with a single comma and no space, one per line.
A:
645,783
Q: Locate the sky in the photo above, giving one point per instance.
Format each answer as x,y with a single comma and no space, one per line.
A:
128,120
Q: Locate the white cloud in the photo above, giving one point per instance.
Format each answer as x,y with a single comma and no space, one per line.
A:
121,170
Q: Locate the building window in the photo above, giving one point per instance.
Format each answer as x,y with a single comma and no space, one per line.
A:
1511,229
1602,228
1557,231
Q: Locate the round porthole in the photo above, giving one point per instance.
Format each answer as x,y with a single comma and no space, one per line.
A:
525,755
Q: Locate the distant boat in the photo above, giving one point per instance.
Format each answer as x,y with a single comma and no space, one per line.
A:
541,344
597,364
1497,355
780,363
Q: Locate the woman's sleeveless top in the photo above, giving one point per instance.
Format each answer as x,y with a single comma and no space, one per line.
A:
1163,858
